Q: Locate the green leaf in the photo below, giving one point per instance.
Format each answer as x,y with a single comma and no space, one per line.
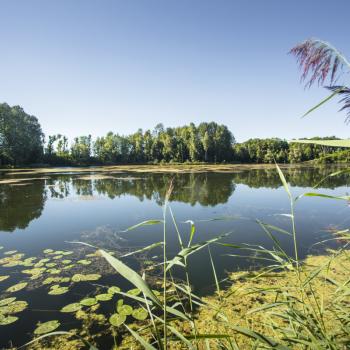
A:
104,297
17,287
125,309
117,320
149,247
88,302
330,143
71,307
113,290
284,181
310,194
5,320
7,301
58,291
323,101
47,327
140,314
192,232
144,223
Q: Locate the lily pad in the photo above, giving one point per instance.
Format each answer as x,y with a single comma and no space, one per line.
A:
58,291
117,320
135,291
48,251
54,271
140,314
47,327
35,271
3,278
51,264
14,307
88,302
104,297
125,309
7,301
57,257
10,252
113,290
16,287
71,307
5,320
84,262
67,253
66,261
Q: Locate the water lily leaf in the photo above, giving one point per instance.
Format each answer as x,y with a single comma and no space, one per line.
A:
14,307
58,291
55,286
84,262
47,327
113,290
67,253
71,307
47,251
140,314
12,263
66,261
54,271
68,267
92,277
17,287
7,301
5,320
125,309
117,320
104,297
34,271
57,257
10,252
120,302
134,291
77,277
3,278
88,302
51,264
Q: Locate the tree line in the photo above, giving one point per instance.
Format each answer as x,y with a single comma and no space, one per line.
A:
22,142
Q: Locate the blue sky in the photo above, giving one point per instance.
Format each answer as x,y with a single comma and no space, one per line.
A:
93,66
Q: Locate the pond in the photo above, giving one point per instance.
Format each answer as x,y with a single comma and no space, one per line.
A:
41,213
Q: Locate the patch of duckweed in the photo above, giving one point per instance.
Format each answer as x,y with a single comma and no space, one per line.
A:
104,297
7,301
5,320
74,307
88,301
3,278
47,327
125,309
140,314
16,287
113,290
117,320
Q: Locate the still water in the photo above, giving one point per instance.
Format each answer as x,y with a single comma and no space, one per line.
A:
49,210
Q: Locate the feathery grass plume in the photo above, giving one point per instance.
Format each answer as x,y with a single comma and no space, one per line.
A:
344,93
319,60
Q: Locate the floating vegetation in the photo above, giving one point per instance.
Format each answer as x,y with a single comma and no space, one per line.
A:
10,252
74,307
88,301
51,264
47,327
134,291
57,257
66,261
78,277
3,278
5,320
58,290
84,262
48,251
104,297
113,290
35,271
125,309
140,314
117,320
54,271
13,307
16,287
7,301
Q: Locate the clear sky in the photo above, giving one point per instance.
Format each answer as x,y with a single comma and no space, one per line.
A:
88,66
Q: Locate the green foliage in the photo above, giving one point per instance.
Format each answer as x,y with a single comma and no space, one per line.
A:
21,138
